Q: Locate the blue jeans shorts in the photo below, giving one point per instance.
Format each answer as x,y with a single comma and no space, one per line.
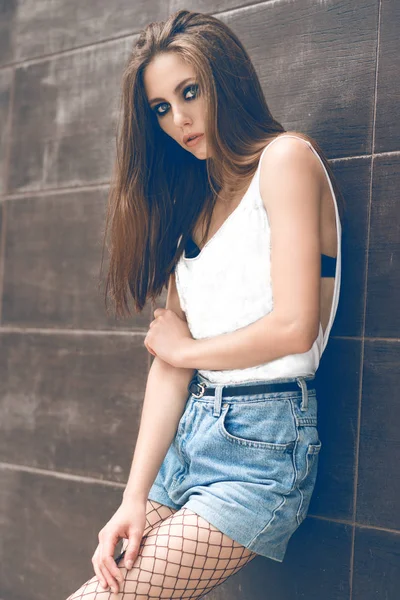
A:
247,464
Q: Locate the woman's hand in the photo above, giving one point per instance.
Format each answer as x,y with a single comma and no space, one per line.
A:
169,337
129,522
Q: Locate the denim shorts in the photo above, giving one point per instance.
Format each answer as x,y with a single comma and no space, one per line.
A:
247,464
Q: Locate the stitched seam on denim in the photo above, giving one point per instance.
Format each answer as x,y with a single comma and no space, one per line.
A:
181,442
300,506
295,448
298,488
184,417
312,421
269,522
293,486
308,469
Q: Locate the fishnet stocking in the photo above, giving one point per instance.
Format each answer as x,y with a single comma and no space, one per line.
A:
180,556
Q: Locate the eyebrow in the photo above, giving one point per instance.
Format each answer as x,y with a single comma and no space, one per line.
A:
176,90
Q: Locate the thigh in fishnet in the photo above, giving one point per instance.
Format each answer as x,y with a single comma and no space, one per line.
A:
182,556
155,513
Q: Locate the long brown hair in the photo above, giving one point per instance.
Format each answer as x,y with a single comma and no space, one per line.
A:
159,190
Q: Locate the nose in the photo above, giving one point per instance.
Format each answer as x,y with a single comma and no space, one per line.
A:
181,118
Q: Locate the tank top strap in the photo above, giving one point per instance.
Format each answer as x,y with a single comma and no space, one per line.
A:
336,291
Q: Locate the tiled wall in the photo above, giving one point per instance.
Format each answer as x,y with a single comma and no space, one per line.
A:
72,379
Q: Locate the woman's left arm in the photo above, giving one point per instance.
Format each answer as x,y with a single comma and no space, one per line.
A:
290,187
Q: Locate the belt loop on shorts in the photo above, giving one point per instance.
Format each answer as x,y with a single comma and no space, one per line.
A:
218,400
304,393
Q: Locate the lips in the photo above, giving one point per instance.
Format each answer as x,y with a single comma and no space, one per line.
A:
189,136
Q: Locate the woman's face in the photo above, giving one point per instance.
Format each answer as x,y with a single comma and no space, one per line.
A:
179,110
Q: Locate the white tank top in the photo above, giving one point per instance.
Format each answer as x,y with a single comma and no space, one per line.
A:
228,285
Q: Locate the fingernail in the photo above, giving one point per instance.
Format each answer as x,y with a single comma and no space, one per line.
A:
129,564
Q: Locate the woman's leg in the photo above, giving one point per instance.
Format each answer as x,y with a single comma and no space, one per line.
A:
155,513
182,556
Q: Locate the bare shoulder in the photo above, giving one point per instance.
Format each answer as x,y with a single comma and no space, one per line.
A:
290,161
293,150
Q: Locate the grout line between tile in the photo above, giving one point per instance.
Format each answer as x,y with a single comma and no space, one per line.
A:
376,528
60,331
330,519
142,332
357,450
27,62
354,524
59,475
58,191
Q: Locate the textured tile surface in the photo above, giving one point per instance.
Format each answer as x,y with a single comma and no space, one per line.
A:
65,117
6,77
71,403
32,29
337,385
353,177
379,482
53,253
376,565
317,67
383,299
388,106
49,529
8,14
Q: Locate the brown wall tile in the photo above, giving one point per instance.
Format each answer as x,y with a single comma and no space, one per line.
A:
383,299
48,529
52,26
8,14
53,255
64,119
6,79
71,403
376,566
338,387
378,470
388,93
353,177
305,61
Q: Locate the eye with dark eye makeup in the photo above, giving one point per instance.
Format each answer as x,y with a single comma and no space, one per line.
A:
189,87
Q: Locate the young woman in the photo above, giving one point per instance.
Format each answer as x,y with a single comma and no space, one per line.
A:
242,225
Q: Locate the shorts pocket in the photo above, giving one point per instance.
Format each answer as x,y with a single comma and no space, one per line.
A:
265,424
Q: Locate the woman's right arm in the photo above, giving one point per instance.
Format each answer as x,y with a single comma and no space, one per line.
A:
164,402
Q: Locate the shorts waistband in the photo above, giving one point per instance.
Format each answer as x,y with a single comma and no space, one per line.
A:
199,388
